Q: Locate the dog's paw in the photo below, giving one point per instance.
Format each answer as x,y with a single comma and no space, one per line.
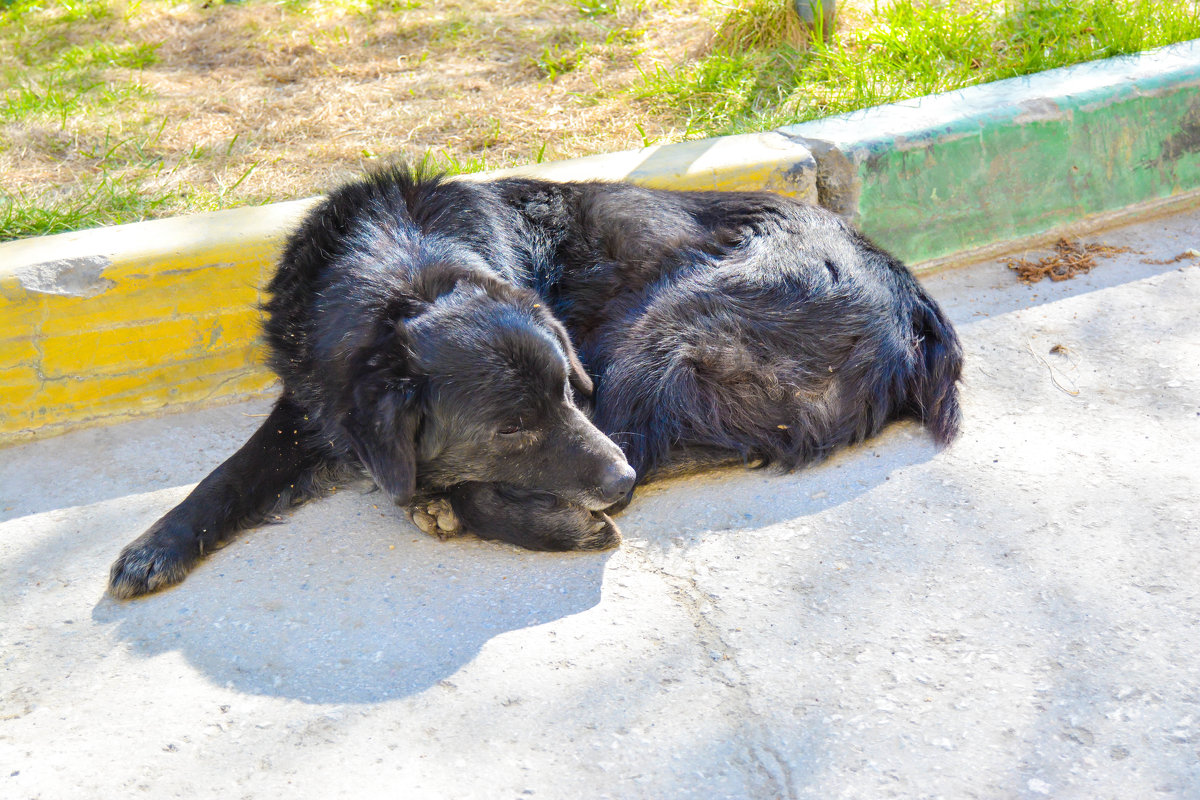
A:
600,534
436,518
146,565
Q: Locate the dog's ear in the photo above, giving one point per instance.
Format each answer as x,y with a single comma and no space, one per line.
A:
382,427
380,410
578,375
504,291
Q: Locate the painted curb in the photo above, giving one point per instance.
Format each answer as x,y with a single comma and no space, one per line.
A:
943,175
117,322
107,324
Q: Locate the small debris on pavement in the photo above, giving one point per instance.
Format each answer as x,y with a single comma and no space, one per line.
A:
1186,255
1069,260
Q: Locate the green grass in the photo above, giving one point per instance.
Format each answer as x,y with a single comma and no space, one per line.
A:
106,54
596,8
754,79
559,58
366,7
106,202
61,97
64,11
446,163
132,181
56,72
110,199
58,79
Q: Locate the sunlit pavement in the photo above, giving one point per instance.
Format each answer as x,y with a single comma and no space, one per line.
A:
1016,616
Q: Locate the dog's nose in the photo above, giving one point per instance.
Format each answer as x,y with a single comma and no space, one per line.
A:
617,480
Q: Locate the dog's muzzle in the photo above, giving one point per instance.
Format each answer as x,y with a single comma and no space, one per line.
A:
615,483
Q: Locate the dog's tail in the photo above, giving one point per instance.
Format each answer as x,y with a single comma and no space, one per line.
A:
933,385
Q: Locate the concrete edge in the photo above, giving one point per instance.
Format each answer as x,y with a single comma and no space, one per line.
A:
950,173
113,323
1086,226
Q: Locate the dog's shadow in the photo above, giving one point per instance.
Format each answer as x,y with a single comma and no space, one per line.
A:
346,604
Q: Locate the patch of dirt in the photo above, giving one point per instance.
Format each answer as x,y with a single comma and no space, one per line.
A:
305,100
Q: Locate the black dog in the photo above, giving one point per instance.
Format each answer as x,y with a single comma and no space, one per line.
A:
479,347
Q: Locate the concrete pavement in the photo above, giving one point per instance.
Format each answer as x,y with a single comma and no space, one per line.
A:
1017,616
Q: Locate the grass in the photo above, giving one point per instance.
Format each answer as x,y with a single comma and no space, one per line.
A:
558,59
105,202
113,112
757,76
116,194
118,111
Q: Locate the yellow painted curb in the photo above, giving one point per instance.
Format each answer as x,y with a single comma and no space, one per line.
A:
750,161
112,323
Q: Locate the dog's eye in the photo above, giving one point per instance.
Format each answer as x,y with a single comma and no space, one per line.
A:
509,430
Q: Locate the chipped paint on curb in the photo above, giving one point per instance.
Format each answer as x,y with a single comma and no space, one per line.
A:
72,277
118,322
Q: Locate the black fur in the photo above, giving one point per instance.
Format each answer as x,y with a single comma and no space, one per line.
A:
455,338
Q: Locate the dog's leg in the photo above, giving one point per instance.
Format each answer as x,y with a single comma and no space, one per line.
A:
531,519
275,467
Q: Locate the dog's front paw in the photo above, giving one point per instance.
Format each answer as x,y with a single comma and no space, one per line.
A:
436,518
151,562
600,534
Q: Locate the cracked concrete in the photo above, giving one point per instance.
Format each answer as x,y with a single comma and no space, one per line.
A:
1016,616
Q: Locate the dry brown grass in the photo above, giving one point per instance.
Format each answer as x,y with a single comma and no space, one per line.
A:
304,100
270,99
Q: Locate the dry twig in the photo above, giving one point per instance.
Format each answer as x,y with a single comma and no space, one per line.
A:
1186,255
1068,260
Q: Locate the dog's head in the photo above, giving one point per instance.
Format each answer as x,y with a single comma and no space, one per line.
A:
468,378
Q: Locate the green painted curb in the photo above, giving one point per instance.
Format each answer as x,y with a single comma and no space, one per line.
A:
945,174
